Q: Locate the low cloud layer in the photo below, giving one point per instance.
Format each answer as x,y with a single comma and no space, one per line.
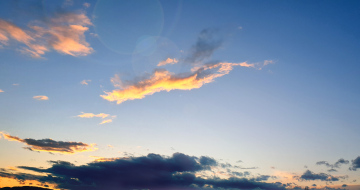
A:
52,146
153,171
64,33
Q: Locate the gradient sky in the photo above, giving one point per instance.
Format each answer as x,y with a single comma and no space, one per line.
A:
220,94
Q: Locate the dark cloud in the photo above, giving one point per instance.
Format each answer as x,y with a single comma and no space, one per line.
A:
335,165
24,188
262,178
344,185
332,170
355,164
309,175
51,146
207,161
208,41
153,172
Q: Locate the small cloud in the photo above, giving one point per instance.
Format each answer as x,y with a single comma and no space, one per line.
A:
1,90
240,27
86,5
100,115
51,146
91,115
16,84
110,146
94,35
85,82
106,121
168,61
41,97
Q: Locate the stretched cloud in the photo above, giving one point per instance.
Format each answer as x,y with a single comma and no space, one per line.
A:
144,172
168,61
1,90
63,33
108,119
163,80
337,164
41,97
52,146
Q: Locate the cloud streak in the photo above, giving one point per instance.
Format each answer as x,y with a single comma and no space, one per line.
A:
108,119
52,146
163,80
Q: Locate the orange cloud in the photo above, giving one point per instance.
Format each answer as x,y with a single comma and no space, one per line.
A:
106,121
168,61
64,33
52,146
1,90
91,115
102,159
101,115
41,97
163,80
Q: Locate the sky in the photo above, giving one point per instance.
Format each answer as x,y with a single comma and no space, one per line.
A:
165,94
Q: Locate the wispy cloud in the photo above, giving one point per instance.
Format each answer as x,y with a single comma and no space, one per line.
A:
1,90
108,117
41,97
52,146
168,61
63,33
163,80
85,82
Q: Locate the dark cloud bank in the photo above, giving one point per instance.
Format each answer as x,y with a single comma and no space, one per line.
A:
153,171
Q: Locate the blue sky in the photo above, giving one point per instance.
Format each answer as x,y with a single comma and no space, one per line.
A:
271,83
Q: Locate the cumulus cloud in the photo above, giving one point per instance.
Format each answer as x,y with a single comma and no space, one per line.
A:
355,164
107,118
41,97
163,80
85,82
52,146
63,33
309,175
168,61
144,172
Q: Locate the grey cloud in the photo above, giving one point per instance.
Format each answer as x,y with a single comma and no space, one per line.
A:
337,164
207,42
309,175
355,164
